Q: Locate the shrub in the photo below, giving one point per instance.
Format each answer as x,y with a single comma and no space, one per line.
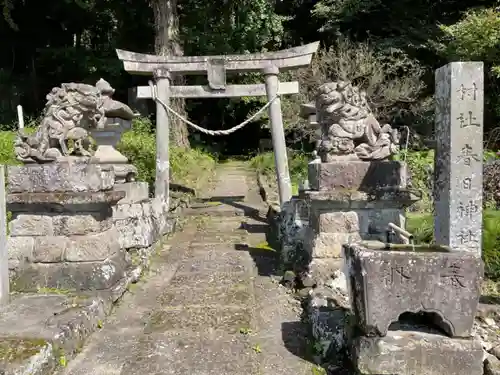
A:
188,167
393,82
297,165
422,227
7,139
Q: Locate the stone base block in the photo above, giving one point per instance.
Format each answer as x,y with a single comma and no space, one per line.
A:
417,353
141,224
72,174
369,222
328,245
357,175
77,276
320,271
135,192
24,224
413,279
330,318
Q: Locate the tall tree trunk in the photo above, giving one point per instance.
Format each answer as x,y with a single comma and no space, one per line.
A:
167,43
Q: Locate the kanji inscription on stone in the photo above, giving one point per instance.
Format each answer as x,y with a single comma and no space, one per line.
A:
459,156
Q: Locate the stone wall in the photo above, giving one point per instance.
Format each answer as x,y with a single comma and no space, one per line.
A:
74,228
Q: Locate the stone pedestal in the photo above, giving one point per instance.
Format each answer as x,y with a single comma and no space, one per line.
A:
351,201
106,153
432,294
62,233
140,220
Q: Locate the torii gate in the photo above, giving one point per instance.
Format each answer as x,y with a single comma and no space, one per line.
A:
215,67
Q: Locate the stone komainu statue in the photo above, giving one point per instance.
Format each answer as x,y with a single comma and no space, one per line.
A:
349,131
70,110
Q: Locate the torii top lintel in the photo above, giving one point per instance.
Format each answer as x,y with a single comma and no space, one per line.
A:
296,57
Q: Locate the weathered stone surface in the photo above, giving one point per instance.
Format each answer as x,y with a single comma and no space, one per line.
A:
135,192
329,316
92,247
363,221
491,365
81,224
69,175
84,248
196,318
384,284
63,202
53,328
345,200
329,245
357,175
81,276
20,250
31,225
50,249
410,353
344,222
459,156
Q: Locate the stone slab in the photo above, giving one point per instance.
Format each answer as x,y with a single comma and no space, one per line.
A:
211,262
79,276
459,156
357,175
210,280
341,199
364,221
70,202
24,224
70,175
54,327
411,353
234,295
199,318
85,248
328,245
385,284
135,192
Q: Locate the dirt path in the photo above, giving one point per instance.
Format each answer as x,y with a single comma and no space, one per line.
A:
209,304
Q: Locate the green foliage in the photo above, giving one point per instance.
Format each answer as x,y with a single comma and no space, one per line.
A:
297,164
7,139
421,226
475,37
393,82
420,167
189,167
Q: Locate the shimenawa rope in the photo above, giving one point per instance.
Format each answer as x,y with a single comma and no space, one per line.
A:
154,95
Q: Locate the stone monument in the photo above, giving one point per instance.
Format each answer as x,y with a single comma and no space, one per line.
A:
459,156
433,291
62,233
355,192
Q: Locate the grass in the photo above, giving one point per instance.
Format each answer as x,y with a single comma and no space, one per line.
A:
421,226
297,163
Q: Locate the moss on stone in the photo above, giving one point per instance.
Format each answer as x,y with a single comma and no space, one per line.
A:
16,350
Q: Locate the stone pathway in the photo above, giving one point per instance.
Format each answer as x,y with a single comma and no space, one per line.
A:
209,305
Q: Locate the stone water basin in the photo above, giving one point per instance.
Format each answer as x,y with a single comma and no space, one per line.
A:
388,280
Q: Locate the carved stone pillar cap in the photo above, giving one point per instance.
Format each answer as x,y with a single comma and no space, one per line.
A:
271,70
161,73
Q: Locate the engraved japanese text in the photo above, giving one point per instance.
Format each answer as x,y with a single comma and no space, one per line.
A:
468,209
452,276
468,120
467,155
467,92
395,274
467,236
